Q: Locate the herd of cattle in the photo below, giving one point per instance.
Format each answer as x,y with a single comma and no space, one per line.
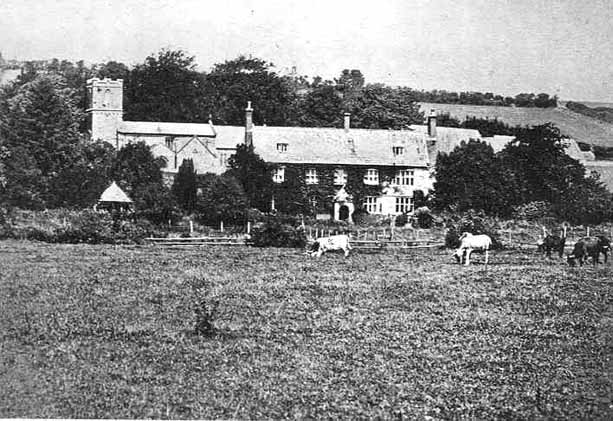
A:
585,248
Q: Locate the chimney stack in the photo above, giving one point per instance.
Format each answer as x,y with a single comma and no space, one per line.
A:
249,125
347,122
432,123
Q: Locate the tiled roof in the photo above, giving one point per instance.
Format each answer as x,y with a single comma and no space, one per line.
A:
166,129
448,138
114,194
307,145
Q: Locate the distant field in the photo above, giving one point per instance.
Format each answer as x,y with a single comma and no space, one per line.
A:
577,126
104,332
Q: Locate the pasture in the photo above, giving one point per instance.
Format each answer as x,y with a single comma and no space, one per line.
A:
102,331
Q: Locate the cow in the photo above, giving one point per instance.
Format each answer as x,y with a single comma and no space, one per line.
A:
334,242
552,243
589,247
470,243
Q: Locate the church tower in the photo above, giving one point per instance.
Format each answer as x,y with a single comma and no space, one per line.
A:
105,110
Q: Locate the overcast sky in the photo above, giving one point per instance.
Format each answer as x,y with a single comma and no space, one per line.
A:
562,47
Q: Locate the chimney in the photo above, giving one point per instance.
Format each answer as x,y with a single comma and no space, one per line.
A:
432,123
347,124
249,125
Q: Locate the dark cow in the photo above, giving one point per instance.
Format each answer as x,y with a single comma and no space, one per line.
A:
589,247
553,243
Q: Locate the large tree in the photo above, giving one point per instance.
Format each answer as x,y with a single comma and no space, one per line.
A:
165,87
471,177
254,175
39,124
230,85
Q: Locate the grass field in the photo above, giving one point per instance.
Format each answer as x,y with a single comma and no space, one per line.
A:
572,124
98,331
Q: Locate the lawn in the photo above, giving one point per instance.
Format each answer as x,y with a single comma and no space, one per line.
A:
108,332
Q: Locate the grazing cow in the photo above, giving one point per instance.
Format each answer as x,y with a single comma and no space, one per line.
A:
470,243
334,242
552,243
589,247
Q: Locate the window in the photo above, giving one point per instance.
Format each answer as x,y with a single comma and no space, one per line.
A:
169,142
371,177
223,158
405,177
404,204
278,176
282,147
370,204
311,176
397,150
340,177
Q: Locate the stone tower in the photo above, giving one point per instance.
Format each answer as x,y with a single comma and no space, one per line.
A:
105,108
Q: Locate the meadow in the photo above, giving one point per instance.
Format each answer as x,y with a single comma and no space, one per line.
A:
98,331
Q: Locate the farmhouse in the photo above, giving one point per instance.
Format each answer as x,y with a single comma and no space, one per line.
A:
395,163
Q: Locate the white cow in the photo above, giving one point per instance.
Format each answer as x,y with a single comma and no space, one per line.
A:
334,242
470,243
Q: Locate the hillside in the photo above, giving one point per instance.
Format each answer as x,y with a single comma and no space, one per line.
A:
574,125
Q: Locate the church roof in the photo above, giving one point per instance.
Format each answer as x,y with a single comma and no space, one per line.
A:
307,145
114,194
166,129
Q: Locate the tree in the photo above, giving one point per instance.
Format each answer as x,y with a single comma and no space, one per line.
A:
139,174
382,107
471,177
222,199
39,131
536,159
254,175
165,87
184,188
230,85
322,106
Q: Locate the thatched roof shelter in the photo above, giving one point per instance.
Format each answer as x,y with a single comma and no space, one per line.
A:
113,195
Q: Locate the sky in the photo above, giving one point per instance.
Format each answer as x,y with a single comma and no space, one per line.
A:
562,47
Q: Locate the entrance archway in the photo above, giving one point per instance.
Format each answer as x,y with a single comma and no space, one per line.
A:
343,213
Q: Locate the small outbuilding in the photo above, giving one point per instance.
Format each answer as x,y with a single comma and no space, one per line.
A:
113,199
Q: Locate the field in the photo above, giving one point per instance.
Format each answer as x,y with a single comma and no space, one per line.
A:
103,331
574,125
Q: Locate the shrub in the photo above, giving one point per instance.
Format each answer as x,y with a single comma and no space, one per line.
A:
474,223
205,311
424,217
401,220
276,234
532,211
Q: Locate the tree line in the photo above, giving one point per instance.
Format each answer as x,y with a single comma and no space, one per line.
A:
532,172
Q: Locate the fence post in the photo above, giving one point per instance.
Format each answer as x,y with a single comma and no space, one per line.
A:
588,232
191,227
221,226
248,227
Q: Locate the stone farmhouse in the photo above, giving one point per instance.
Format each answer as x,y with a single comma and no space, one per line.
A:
399,162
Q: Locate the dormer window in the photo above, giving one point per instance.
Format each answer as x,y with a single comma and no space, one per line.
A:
282,147
169,142
397,150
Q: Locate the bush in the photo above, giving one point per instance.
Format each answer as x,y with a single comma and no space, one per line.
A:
532,211
474,223
276,234
401,220
424,217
